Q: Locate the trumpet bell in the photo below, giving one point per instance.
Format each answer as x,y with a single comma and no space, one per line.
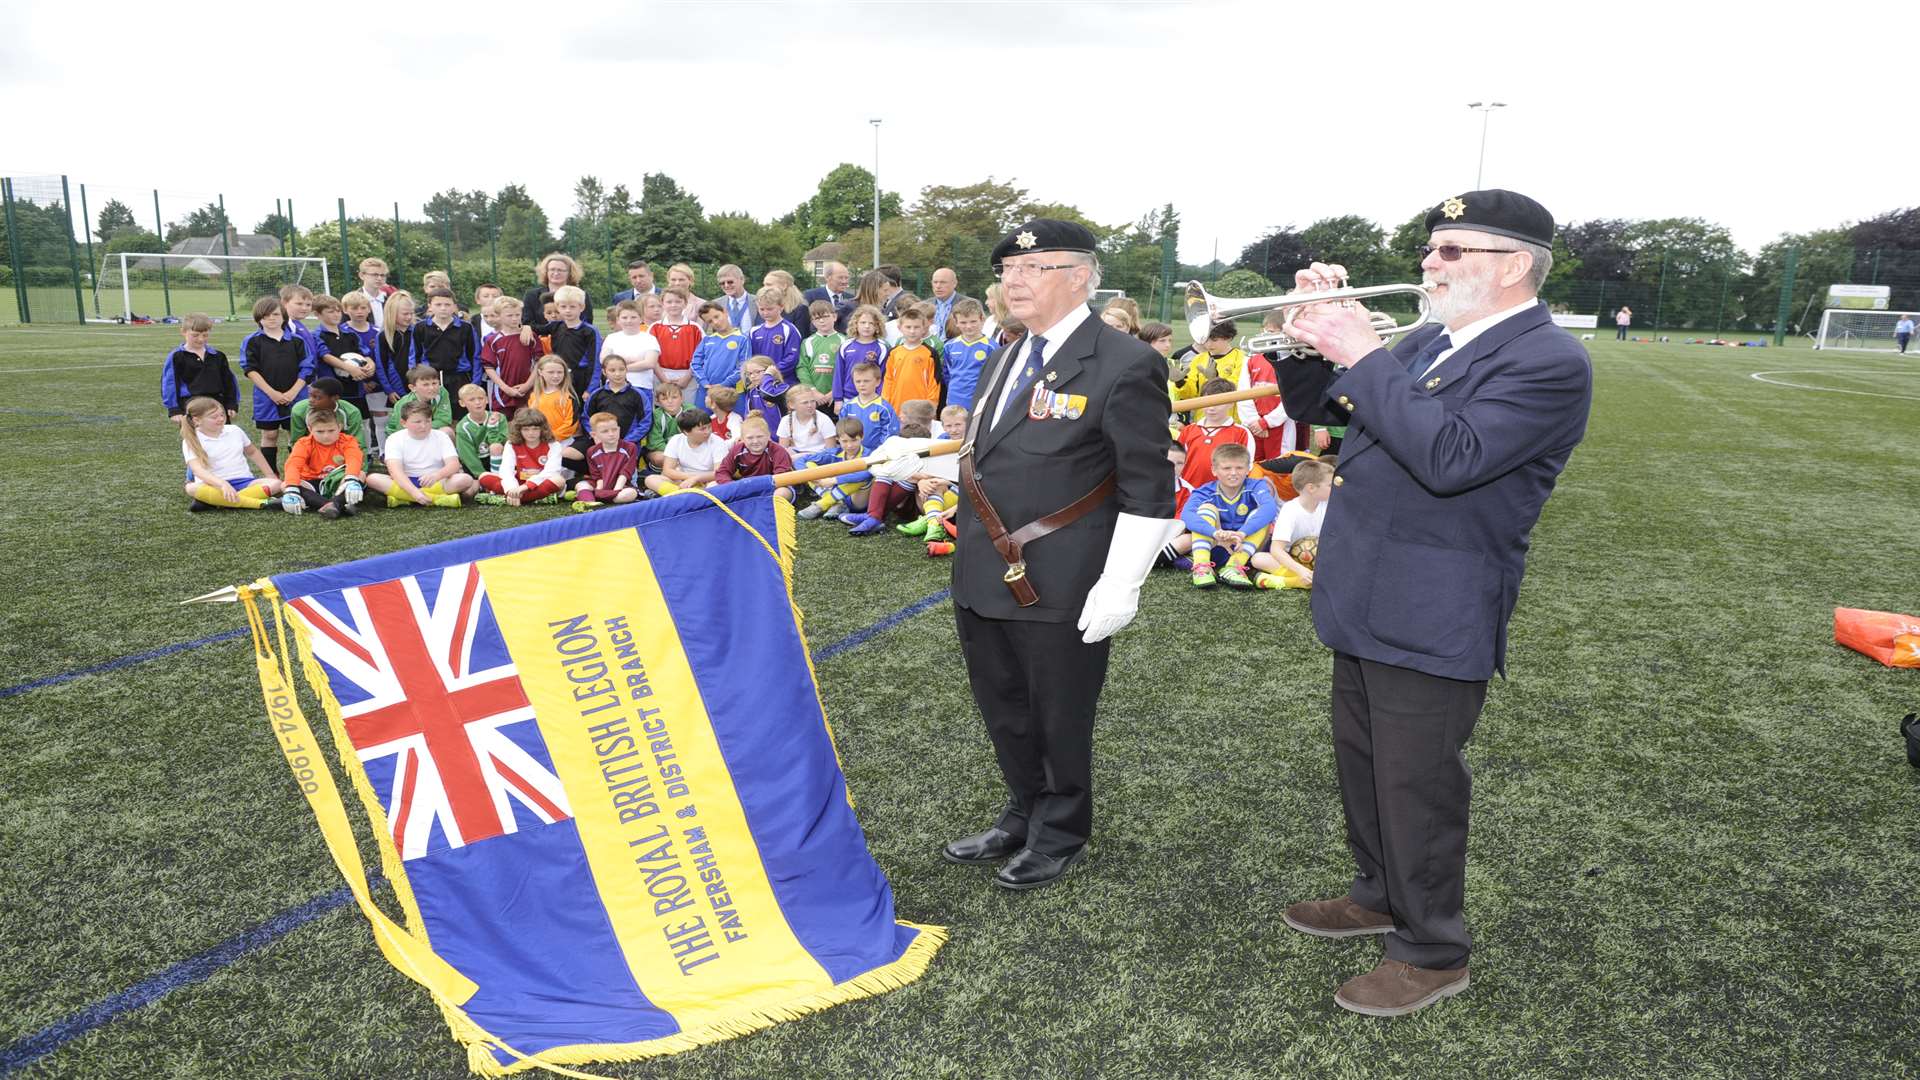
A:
1203,310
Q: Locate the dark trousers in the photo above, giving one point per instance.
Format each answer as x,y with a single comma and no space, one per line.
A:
1397,741
1037,685
1621,335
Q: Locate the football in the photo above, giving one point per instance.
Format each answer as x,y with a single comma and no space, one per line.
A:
1304,550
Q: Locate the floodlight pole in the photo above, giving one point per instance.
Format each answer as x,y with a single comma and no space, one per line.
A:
876,193
1486,111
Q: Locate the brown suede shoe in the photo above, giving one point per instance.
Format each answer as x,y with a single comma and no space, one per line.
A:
1396,988
1336,918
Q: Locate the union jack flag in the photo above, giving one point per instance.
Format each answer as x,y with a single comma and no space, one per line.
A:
434,707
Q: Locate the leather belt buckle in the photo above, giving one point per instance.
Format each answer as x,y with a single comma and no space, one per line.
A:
1015,572
966,449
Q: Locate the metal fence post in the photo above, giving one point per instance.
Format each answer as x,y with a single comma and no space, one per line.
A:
73,251
226,248
280,217
1167,265
493,243
86,230
1660,295
293,234
446,237
160,228
399,262
13,252
346,256
1786,296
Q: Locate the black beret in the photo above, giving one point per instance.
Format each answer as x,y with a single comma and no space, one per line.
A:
1498,211
1045,234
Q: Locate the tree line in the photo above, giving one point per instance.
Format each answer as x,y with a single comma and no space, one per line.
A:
1688,266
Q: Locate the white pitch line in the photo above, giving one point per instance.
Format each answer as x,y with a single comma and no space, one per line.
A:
1762,377
83,367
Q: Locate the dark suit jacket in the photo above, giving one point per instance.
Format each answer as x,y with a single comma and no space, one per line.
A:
530,310
805,322
1031,468
1440,480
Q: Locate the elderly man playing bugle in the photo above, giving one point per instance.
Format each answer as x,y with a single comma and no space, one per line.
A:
1454,439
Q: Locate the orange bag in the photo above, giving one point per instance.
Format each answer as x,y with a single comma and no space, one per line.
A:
1890,638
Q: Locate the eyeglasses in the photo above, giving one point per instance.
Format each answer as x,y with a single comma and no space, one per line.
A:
1452,252
1028,271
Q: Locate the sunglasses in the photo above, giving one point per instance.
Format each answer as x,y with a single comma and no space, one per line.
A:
1452,252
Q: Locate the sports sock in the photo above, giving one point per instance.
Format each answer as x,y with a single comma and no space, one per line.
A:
1202,549
272,454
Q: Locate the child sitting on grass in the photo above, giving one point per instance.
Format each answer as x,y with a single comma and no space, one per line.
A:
890,493
805,430
221,459
756,454
423,468
326,470
840,494
1228,516
693,456
934,493
531,469
611,464
1299,519
481,435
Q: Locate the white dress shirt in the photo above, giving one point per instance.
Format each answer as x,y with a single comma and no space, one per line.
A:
1056,336
1463,336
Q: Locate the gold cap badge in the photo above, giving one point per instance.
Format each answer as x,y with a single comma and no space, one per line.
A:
1026,239
1454,207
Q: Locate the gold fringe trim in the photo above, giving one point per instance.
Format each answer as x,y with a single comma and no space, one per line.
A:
911,965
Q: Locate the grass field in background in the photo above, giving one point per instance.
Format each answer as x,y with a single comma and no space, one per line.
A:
1693,849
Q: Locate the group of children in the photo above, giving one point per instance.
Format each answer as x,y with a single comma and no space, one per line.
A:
501,406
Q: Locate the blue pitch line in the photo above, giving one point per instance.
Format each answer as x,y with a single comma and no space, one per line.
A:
124,661
185,973
860,637
202,967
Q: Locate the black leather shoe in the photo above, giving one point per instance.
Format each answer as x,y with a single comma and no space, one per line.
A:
1030,869
990,846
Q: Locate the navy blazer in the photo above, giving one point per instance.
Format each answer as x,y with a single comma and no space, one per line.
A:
1440,480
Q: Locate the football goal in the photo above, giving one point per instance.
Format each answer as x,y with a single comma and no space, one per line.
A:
1862,331
155,286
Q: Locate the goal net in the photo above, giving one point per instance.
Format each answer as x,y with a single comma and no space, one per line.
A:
1864,331
155,286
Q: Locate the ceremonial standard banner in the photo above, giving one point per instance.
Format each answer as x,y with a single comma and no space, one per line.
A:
602,784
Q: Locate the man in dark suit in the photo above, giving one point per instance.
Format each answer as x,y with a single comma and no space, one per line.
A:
1069,497
946,293
640,276
1454,439
837,291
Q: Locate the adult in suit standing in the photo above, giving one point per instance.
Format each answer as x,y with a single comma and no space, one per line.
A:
837,291
640,276
1454,439
946,293
1068,499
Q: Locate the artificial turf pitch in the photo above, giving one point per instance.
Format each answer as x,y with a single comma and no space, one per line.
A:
1694,847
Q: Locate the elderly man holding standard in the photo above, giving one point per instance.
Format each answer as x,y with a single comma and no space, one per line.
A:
1069,497
1454,439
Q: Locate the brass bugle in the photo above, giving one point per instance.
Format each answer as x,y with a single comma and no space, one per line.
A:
1204,309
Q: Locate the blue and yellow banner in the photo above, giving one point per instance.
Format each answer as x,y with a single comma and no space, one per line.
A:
602,782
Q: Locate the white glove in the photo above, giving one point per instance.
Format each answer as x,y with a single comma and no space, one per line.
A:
292,503
354,493
1115,597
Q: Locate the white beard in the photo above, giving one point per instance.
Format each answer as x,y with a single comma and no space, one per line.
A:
1466,293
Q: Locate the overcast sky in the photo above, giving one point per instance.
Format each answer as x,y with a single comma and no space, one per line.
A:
1243,115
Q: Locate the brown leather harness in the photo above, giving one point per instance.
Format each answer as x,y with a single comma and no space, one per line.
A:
1010,545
